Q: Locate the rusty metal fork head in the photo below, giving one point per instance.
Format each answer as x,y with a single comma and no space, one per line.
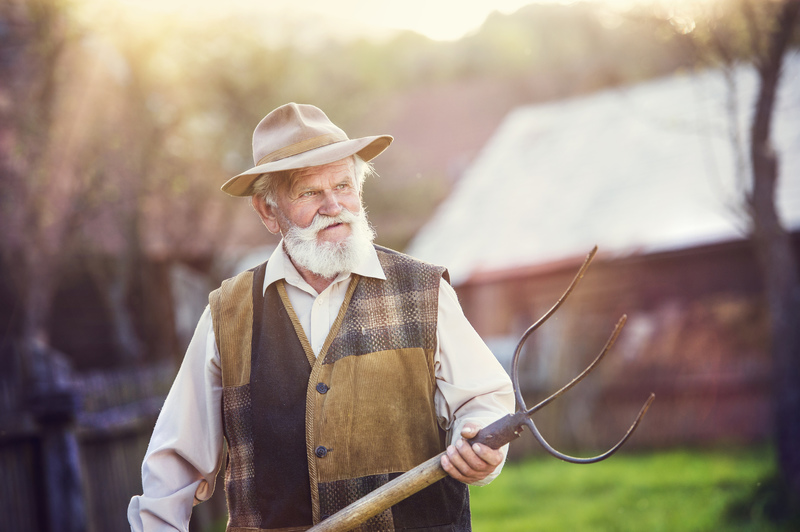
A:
521,408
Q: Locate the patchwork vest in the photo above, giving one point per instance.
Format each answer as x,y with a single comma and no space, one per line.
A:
309,435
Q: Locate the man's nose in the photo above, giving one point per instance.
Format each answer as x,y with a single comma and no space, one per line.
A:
330,204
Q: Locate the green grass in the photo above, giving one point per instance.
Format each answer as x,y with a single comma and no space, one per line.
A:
674,491
664,491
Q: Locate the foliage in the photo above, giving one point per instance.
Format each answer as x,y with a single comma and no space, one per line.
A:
687,490
117,131
229,78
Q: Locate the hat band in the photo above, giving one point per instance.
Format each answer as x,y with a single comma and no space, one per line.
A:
300,147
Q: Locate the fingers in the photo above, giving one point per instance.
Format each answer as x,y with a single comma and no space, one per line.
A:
470,463
486,454
469,430
451,469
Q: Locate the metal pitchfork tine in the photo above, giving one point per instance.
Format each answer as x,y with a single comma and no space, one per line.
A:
495,435
522,408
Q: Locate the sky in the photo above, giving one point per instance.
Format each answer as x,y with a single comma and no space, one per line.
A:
436,19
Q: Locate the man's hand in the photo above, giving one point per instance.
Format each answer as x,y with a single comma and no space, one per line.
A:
470,463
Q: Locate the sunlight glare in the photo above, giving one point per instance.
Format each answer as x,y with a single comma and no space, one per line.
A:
436,19
311,22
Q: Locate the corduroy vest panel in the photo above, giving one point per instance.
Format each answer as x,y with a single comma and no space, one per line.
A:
308,436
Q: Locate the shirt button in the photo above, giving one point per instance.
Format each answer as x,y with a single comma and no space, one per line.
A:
321,451
322,387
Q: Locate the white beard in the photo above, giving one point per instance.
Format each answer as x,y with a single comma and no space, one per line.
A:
329,259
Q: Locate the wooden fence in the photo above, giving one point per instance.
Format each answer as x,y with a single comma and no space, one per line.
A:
112,430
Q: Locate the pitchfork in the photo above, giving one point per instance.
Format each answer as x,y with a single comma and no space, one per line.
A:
495,435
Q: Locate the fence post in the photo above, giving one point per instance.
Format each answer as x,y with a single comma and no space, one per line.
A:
54,404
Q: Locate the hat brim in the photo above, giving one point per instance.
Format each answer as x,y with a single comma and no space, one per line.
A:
366,147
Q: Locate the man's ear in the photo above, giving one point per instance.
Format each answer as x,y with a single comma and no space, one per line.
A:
266,213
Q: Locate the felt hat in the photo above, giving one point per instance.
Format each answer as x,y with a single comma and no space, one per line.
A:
297,136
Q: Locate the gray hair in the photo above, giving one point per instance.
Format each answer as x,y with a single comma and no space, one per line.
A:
267,185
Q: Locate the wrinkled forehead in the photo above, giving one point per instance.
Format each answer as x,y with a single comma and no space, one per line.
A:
342,171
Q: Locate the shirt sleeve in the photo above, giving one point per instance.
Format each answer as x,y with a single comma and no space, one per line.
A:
185,451
471,385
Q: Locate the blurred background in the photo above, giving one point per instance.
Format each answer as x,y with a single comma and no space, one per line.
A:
665,132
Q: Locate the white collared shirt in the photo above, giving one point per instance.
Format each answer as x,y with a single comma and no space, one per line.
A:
316,311
185,451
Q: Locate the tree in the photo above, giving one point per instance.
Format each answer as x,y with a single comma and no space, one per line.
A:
761,33
779,264
40,159
34,235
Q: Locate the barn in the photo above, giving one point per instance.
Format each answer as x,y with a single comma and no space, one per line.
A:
652,176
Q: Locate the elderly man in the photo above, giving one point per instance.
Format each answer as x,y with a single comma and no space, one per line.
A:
328,370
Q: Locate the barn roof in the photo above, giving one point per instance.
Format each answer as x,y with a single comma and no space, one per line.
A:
634,170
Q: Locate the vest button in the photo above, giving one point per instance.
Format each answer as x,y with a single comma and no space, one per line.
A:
322,387
321,451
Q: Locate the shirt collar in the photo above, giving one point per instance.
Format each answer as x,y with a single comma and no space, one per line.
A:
280,267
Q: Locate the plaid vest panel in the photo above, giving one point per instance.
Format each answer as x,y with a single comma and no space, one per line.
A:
368,410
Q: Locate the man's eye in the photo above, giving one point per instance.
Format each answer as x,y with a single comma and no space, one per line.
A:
307,194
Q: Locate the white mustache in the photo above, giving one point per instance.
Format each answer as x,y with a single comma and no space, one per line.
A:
322,221
330,258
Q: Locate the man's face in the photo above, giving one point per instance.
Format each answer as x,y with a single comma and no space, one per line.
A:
323,190
325,230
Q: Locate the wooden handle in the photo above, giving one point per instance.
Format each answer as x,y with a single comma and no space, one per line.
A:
495,436
387,495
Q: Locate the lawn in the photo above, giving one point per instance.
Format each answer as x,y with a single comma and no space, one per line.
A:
670,491
679,490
